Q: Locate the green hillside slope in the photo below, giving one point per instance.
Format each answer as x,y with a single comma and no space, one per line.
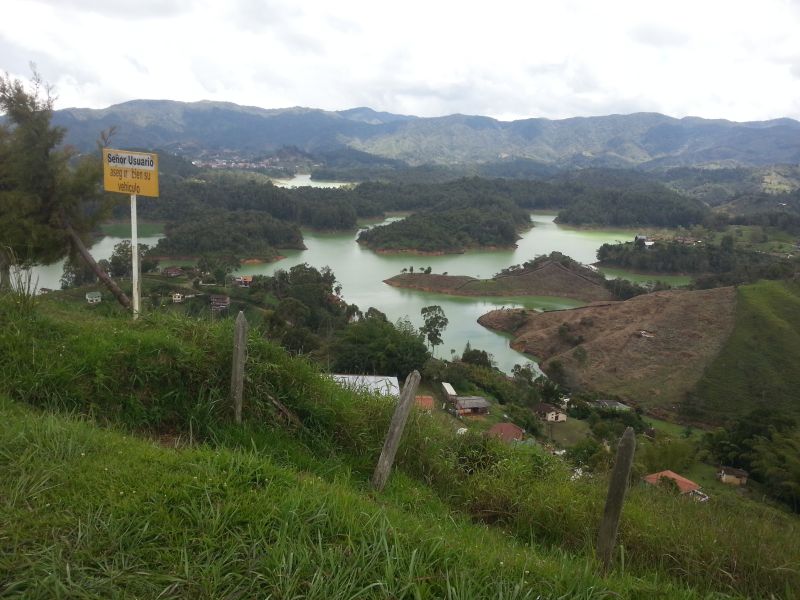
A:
97,514
266,509
759,365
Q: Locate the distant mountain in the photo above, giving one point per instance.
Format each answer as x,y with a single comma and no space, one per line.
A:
649,140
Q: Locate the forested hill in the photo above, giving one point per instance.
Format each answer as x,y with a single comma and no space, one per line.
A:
649,139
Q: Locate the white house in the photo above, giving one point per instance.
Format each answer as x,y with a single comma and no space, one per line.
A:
373,384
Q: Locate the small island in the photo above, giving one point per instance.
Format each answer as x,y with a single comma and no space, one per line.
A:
553,275
452,227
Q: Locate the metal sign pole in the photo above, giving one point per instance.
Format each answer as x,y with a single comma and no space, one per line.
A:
135,256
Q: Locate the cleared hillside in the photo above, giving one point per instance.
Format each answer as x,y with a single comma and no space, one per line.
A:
650,350
549,279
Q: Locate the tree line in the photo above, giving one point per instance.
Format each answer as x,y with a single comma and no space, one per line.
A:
714,264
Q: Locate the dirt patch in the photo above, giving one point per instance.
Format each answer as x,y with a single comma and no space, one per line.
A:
551,279
650,350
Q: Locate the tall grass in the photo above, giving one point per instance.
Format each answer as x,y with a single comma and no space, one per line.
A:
101,515
19,297
170,375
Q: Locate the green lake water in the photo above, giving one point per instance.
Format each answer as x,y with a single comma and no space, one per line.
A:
361,273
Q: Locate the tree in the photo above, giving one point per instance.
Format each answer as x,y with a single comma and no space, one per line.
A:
76,273
476,357
435,323
373,345
50,200
121,261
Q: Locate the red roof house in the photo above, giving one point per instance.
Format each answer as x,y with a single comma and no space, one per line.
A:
508,432
424,403
685,486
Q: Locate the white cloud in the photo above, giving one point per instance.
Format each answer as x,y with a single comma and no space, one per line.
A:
731,59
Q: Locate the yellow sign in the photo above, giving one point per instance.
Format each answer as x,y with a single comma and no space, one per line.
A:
130,172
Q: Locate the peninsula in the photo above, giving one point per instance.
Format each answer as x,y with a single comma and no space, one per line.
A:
544,276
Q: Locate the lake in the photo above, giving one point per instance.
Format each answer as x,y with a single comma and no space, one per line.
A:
301,180
49,276
361,273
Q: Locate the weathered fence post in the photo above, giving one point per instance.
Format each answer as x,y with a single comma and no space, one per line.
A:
616,496
237,370
390,445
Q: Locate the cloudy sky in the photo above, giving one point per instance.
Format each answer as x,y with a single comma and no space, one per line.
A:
734,59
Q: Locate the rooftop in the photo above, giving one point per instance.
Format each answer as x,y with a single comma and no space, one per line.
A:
508,432
374,384
684,485
472,402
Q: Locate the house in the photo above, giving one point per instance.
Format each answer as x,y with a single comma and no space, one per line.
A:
449,392
244,281
424,403
93,297
732,476
612,405
550,413
685,486
384,385
177,297
508,432
471,406
219,303
172,271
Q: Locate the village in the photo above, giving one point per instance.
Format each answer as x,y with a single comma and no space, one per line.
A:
478,414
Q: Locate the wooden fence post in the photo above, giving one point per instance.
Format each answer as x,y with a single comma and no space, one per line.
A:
237,370
392,442
617,488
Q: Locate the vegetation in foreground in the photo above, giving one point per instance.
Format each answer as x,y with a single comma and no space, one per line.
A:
168,376
92,513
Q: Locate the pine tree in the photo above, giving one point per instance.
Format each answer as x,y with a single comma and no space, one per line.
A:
50,199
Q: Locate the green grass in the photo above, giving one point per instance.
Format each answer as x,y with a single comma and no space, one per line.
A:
673,280
123,229
672,429
758,365
168,377
567,433
97,514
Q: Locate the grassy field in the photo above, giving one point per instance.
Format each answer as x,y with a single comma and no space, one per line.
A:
263,510
123,229
673,280
673,429
99,514
568,433
758,365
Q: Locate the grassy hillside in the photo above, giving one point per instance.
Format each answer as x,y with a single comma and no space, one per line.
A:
98,514
286,511
758,365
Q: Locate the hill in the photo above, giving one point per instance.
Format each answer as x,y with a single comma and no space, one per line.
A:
643,139
172,499
549,279
757,367
650,350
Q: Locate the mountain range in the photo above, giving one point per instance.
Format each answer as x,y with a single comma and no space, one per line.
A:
648,140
